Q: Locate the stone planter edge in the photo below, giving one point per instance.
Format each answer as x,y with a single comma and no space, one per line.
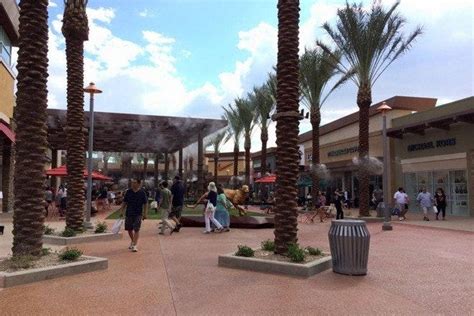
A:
64,241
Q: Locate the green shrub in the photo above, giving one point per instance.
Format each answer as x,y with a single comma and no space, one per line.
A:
68,232
45,251
21,262
314,251
295,253
268,245
101,228
48,230
244,251
70,254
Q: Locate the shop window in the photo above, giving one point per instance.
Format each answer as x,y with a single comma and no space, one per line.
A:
5,47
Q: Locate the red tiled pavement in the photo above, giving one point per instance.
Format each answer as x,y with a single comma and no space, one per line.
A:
411,271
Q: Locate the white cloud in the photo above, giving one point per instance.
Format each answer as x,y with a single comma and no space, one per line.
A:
52,4
145,13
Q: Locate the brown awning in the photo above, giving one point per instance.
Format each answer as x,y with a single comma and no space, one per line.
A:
5,129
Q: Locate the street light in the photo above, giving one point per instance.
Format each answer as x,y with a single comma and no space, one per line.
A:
91,89
387,225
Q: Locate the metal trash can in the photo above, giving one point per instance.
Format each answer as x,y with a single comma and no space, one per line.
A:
349,241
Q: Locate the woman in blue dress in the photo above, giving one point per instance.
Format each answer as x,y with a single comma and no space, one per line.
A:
223,205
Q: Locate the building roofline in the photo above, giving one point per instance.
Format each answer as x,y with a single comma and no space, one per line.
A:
396,102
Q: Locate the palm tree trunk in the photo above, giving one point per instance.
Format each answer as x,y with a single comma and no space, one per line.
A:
105,170
364,100
264,139
30,118
247,159
156,171
236,160
315,160
145,167
287,125
216,161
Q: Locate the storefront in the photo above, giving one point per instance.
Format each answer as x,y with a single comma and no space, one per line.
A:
339,146
435,150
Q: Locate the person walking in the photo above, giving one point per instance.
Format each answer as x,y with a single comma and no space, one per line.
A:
136,204
211,208
222,207
62,195
426,202
178,191
401,199
48,197
338,196
440,201
164,205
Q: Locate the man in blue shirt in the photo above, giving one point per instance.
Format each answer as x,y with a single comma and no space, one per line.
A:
136,204
178,191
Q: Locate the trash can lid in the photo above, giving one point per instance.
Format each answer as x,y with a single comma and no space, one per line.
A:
348,222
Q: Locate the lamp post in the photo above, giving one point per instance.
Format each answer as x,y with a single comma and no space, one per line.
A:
91,89
387,225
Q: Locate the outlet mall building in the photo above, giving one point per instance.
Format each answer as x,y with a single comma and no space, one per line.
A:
428,147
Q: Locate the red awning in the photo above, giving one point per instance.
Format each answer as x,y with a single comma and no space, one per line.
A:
267,179
5,129
62,172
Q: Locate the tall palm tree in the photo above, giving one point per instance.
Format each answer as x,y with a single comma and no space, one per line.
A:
216,142
30,118
287,130
264,105
75,30
246,112
317,68
370,41
235,131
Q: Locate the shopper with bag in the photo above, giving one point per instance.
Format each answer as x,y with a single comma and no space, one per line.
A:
222,209
426,202
401,199
135,202
165,207
211,209
440,202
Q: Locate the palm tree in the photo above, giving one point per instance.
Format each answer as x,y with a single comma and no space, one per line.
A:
246,112
75,30
216,142
30,118
370,41
264,105
144,157
287,118
235,131
317,68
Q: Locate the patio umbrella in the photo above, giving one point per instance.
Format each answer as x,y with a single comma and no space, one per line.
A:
62,172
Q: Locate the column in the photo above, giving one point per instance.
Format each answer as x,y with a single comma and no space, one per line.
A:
54,164
167,167
156,173
200,164
180,163
6,176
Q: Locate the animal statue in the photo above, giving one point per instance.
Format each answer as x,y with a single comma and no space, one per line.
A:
237,198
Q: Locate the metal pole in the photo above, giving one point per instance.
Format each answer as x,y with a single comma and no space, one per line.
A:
386,165
88,223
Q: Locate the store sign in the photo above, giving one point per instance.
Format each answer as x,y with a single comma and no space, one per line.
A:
343,151
433,144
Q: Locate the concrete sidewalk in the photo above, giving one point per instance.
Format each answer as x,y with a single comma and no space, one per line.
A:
411,271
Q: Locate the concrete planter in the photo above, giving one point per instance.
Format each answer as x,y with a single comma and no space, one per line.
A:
64,241
40,274
271,266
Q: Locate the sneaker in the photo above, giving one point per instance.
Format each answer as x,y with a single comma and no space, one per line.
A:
134,248
206,232
160,233
227,229
131,246
400,219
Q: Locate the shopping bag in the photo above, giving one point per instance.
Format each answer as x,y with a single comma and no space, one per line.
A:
435,209
117,226
154,205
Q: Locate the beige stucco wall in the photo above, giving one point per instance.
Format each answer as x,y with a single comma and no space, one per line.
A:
7,97
227,166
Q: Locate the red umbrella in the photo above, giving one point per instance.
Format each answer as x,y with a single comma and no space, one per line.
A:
267,179
62,172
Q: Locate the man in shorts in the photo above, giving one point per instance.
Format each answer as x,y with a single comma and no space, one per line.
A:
136,204
178,191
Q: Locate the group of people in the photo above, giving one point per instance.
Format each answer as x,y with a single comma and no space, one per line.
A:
52,199
426,202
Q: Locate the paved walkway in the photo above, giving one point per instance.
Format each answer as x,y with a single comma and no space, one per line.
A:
411,271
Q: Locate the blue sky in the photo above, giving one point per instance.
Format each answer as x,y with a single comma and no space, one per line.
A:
190,57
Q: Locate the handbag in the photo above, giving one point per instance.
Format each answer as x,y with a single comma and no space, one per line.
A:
117,226
210,207
435,209
154,205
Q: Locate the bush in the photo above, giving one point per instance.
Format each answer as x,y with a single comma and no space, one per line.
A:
21,262
68,232
48,230
45,251
244,251
314,252
101,228
268,245
295,253
70,254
